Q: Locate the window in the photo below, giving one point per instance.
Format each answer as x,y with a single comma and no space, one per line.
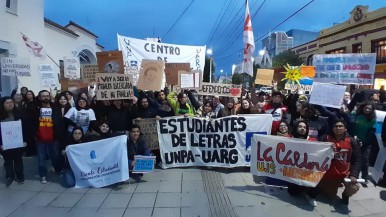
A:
309,60
11,6
379,47
357,48
337,51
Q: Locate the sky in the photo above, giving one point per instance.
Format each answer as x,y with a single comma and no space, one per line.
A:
218,24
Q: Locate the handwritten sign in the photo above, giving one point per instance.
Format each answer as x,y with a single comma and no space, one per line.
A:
329,95
16,67
214,89
88,73
111,86
292,160
149,129
171,71
151,75
143,164
71,67
110,62
264,77
11,134
189,80
47,76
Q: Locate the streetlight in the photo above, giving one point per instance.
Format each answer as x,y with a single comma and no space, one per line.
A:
210,52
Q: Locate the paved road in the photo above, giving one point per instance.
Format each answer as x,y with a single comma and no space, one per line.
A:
175,192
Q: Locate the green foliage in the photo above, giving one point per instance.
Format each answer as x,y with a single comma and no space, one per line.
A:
285,57
237,79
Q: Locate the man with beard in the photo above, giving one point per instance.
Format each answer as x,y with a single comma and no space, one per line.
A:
45,135
300,130
144,110
276,108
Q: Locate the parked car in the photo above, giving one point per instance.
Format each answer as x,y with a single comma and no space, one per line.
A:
267,89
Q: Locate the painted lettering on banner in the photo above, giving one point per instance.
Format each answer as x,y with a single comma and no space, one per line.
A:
111,86
298,161
15,67
214,89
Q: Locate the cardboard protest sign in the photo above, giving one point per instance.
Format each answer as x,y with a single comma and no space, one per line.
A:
88,73
111,86
110,62
47,76
358,68
99,163
222,142
214,89
329,95
151,75
264,77
15,66
377,170
144,164
189,80
71,67
149,131
298,161
171,71
11,134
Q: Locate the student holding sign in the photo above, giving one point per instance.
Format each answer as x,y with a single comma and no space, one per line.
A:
181,105
11,142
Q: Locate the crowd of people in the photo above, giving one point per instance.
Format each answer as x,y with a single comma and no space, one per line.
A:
51,122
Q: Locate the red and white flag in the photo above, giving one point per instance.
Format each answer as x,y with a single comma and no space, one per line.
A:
249,43
34,47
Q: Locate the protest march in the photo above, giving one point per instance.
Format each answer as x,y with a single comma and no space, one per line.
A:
308,120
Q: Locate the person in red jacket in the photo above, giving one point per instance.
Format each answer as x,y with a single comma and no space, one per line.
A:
276,108
345,164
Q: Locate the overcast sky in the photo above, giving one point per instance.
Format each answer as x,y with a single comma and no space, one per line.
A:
200,24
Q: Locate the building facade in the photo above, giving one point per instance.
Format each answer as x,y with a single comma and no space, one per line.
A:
276,43
18,17
363,32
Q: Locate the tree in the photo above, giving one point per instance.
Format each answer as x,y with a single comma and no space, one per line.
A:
285,57
237,79
207,69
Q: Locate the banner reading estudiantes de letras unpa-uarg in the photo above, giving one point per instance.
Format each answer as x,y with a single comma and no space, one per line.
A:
298,161
223,142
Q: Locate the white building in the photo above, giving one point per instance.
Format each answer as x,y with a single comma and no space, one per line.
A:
27,17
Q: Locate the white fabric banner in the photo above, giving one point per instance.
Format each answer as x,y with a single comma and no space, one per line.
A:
223,142
134,50
377,170
298,161
99,163
345,68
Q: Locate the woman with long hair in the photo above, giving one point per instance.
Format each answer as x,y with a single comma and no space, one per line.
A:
180,106
13,161
28,109
364,127
81,116
245,107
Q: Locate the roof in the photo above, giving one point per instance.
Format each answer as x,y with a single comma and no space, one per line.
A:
52,23
100,45
80,27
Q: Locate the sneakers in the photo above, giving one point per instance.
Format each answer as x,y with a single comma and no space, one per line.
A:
8,182
20,181
43,180
345,200
312,201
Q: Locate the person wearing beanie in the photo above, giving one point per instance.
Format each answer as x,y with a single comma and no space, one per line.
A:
276,108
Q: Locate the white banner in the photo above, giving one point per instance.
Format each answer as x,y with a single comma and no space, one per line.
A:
298,161
358,68
134,50
11,134
377,170
223,142
71,67
99,163
47,76
329,95
16,67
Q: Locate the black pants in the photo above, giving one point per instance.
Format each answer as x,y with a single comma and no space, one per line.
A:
13,163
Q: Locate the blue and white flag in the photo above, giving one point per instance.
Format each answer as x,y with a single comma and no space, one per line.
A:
99,163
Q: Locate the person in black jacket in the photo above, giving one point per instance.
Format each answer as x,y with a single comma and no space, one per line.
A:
382,181
13,161
135,146
28,108
145,110
118,118
103,131
346,163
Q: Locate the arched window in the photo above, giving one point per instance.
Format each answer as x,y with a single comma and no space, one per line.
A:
309,60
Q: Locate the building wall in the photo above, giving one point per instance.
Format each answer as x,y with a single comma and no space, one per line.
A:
57,43
302,36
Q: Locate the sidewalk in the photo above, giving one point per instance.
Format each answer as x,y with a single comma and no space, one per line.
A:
181,192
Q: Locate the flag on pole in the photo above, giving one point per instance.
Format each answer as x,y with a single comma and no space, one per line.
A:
249,43
34,47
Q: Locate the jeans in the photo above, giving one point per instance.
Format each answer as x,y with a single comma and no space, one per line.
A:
69,178
52,149
13,163
365,152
